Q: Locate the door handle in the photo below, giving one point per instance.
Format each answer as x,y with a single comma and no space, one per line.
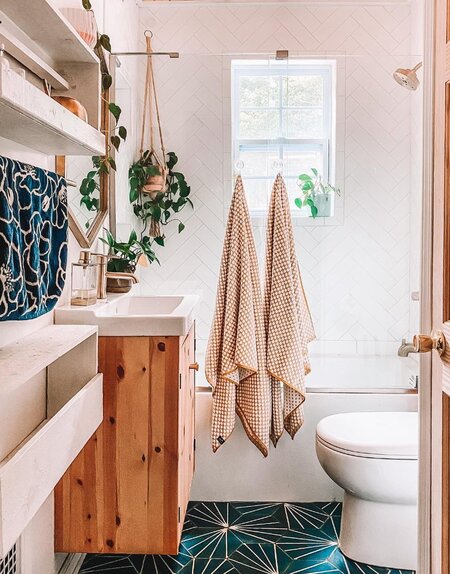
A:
194,366
427,343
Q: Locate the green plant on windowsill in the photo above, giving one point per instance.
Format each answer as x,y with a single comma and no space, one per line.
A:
126,255
316,194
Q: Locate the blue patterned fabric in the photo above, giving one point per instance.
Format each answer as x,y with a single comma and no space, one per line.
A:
33,240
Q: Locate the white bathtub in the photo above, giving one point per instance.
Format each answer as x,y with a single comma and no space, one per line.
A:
338,373
291,472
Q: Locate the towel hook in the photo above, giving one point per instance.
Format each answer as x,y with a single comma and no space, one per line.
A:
278,166
239,166
148,34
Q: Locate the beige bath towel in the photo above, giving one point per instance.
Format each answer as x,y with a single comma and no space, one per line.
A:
235,358
287,319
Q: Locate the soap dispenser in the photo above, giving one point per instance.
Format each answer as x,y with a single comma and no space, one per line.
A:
84,280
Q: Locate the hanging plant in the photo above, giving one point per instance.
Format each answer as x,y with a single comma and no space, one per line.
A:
156,210
157,191
102,165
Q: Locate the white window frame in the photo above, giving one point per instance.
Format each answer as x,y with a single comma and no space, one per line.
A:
264,67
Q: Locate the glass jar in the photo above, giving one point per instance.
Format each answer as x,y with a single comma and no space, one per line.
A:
84,280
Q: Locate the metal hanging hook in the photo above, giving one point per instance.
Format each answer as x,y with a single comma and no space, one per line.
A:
148,34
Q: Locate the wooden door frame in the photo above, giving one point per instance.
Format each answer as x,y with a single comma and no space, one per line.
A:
433,216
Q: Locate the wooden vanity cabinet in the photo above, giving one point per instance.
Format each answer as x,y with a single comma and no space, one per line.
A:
128,490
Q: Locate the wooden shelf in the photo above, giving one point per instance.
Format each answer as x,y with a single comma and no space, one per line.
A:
66,355
29,117
50,30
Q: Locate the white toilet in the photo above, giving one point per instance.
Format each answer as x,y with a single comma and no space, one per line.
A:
374,458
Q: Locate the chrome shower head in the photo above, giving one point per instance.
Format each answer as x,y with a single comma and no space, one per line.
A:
408,78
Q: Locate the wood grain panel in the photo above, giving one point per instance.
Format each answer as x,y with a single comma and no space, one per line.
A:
445,482
128,490
186,427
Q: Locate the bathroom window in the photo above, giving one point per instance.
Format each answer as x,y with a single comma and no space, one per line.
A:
283,120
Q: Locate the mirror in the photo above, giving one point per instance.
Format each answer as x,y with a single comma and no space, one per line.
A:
121,217
86,213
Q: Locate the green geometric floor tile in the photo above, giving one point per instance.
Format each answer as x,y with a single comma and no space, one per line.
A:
209,566
248,538
260,559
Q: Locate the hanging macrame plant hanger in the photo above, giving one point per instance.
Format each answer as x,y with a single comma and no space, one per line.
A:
156,183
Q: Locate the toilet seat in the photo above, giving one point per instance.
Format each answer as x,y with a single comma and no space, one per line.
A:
379,435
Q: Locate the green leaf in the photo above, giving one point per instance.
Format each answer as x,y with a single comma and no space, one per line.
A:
314,211
304,177
181,226
91,174
112,163
133,236
115,140
134,195
156,213
115,110
123,132
106,81
152,170
91,185
160,241
185,191
105,42
172,161
315,172
298,202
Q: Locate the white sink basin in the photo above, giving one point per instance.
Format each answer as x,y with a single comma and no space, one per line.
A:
134,315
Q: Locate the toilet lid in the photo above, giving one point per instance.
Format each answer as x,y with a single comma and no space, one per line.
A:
383,435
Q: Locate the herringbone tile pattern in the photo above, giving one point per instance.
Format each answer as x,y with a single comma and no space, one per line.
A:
356,269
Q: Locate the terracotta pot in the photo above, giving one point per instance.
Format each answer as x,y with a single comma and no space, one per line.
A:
73,106
156,183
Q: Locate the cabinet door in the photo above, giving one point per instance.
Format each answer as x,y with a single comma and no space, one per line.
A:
186,427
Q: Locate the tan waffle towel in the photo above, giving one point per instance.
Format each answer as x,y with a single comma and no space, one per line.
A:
287,319
235,358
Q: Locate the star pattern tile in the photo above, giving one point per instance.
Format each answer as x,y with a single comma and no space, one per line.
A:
248,538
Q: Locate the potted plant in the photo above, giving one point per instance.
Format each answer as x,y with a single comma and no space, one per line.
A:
316,194
157,209
147,175
125,256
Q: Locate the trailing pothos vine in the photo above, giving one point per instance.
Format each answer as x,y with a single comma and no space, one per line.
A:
102,165
155,211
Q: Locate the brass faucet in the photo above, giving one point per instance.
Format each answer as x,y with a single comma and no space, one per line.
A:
122,275
103,274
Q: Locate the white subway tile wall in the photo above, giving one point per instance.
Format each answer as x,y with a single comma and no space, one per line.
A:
358,269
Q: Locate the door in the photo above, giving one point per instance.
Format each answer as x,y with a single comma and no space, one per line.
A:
434,498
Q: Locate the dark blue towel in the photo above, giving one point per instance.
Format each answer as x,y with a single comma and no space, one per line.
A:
33,240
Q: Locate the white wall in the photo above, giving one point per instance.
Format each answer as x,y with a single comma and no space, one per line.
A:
37,541
291,473
356,273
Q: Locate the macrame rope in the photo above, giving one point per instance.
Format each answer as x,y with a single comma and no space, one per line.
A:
150,99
